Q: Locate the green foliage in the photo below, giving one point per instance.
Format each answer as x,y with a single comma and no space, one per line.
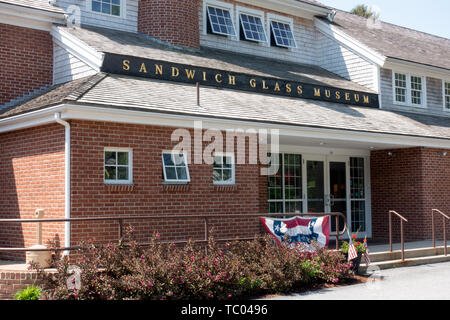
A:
365,11
165,271
29,293
359,246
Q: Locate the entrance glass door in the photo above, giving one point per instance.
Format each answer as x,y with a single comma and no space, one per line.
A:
315,186
323,183
338,191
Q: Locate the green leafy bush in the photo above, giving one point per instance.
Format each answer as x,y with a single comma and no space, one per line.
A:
165,271
29,293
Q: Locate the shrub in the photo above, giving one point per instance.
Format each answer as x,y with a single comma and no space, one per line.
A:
29,293
165,271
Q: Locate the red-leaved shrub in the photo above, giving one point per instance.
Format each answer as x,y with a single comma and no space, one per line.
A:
165,271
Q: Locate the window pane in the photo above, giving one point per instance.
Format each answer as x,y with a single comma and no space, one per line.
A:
275,207
117,2
168,159
357,178
110,173
110,157
171,173
115,10
181,173
218,162
358,216
122,158
227,175
217,175
122,173
96,6
106,8
178,159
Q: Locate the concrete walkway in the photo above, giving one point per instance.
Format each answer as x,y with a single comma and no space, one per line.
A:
427,282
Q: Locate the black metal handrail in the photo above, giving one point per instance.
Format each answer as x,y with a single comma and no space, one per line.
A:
205,218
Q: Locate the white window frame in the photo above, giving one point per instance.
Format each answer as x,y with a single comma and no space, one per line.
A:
176,181
130,166
223,6
444,81
233,169
256,13
408,88
123,10
282,19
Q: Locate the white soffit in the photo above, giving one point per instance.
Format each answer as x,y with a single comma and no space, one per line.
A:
29,17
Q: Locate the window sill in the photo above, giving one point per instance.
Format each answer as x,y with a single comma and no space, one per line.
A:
176,186
112,187
225,187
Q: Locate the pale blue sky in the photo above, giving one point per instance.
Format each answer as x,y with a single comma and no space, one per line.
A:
431,16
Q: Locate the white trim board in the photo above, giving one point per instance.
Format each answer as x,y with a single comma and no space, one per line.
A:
77,48
29,17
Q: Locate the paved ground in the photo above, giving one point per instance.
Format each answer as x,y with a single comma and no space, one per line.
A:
427,282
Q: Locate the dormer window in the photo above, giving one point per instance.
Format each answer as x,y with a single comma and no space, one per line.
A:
252,28
409,89
220,22
282,35
109,7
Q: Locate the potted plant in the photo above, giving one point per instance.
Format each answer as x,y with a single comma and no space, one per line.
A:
360,249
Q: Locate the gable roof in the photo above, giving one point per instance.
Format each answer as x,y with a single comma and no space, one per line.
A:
393,41
147,95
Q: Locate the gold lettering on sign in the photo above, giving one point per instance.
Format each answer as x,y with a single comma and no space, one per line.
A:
218,78
366,99
356,96
264,86
300,90
347,96
253,83
126,65
277,87
316,92
328,94
288,88
204,76
143,68
190,73
158,69
232,80
338,95
175,72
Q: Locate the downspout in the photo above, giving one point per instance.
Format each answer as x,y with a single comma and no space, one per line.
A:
67,198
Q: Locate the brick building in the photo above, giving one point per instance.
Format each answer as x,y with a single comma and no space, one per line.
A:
95,94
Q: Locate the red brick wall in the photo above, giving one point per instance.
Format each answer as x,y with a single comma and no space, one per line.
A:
149,196
13,281
412,183
31,177
26,61
172,21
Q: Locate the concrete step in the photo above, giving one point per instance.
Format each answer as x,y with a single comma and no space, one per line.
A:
410,253
409,262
